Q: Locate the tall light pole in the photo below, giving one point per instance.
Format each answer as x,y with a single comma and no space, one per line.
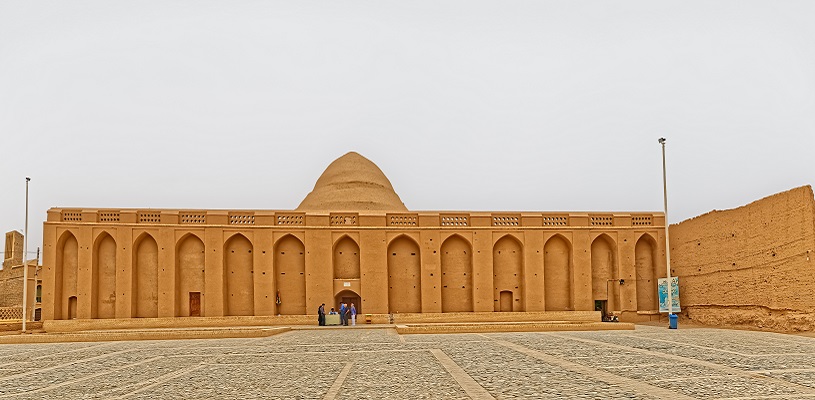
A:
667,240
25,254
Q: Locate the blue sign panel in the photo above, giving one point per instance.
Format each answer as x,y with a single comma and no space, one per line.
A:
663,294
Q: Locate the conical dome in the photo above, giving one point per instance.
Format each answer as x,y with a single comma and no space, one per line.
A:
352,183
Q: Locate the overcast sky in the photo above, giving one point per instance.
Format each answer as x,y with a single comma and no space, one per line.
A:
464,105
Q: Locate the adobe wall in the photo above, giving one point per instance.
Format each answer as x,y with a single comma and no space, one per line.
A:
112,263
11,287
750,266
11,279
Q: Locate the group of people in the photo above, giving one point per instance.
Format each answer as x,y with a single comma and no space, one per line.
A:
347,313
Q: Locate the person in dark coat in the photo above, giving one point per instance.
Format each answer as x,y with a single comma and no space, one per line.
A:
342,313
321,315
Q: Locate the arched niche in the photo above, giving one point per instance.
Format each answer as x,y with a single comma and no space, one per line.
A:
557,274
189,276
290,267
104,277
456,275
239,271
145,277
604,277
508,267
404,276
346,259
348,296
66,270
645,266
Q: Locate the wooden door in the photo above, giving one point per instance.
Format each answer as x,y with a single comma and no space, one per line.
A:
72,307
506,301
195,304
352,299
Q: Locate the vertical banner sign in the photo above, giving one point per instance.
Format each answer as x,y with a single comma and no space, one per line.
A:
663,294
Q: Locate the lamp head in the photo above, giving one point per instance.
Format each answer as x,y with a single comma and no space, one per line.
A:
662,140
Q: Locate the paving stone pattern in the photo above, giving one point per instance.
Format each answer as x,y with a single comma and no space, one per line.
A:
648,363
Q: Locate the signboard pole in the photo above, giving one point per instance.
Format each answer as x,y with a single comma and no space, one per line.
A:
25,253
667,240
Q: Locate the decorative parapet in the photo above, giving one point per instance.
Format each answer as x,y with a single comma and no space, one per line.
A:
403,219
242,218
454,220
71,215
149,217
290,219
344,219
429,219
601,220
109,216
192,217
506,220
555,220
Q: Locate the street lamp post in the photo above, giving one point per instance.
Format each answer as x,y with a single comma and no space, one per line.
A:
25,254
667,240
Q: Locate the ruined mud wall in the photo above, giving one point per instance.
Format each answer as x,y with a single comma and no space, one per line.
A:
11,287
753,265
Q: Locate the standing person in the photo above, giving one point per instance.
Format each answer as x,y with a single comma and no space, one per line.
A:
342,313
321,315
353,315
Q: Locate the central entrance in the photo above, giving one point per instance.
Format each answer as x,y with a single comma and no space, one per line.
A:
348,297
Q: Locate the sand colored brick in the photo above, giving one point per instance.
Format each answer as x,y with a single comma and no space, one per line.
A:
753,265
351,239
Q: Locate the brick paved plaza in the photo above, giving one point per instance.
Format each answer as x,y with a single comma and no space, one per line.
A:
648,363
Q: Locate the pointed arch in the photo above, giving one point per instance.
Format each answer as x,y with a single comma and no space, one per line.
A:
104,277
239,279
645,265
290,275
350,297
404,275
508,273
189,274
145,277
65,274
604,274
512,236
456,275
346,258
557,273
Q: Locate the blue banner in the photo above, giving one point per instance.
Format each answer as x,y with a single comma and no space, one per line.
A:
663,294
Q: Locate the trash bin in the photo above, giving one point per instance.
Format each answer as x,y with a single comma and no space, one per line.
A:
367,318
672,321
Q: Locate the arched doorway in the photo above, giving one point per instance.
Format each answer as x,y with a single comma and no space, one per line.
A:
290,280
145,277
507,261
605,286
347,297
239,273
346,259
557,274
456,275
190,277
645,265
404,276
66,271
104,277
